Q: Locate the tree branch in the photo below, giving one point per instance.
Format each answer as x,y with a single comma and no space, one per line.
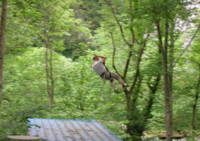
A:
187,45
137,73
160,42
153,88
113,55
166,44
131,21
108,2
127,64
137,90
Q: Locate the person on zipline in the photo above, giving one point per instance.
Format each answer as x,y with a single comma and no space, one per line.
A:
100,68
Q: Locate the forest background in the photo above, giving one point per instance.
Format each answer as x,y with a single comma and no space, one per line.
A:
46,50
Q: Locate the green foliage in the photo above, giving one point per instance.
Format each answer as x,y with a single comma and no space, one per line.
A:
69,35
77,30
78,94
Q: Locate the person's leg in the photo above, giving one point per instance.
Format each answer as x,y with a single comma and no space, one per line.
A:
110,76
118,78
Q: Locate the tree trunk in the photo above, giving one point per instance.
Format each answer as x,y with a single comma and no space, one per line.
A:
2,43
194,107
167,76
51,77
49,70
135,126
168,82
168,103
135,117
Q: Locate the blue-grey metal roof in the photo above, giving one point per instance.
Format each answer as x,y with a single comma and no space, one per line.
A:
70,130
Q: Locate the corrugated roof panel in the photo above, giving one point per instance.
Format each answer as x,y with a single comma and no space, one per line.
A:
64,131
105,131
70,130
89,131
80,131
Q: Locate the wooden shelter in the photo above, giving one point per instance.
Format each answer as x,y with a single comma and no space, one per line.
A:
70,130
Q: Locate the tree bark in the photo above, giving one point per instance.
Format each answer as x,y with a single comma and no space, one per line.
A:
167,76
168,101
49,70
153,89
194,106
51,76
2,43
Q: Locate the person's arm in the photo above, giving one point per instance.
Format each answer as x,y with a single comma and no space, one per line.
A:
103,59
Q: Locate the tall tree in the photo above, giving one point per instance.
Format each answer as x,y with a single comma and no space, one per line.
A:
48,27
53,28
195,61
165,15
166,46
168,75
134,37
196,98
2,43
49,68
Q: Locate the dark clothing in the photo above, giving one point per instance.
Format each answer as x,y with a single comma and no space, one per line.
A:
108,75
